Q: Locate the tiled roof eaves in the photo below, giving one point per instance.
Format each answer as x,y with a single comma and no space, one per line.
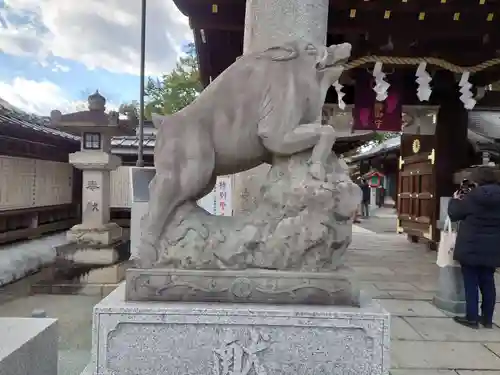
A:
13,118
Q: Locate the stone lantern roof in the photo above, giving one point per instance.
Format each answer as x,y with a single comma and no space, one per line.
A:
97,102
95,119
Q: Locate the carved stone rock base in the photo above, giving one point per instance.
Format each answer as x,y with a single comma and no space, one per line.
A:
250,286
177,338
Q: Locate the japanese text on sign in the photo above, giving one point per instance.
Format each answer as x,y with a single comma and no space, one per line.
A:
223,195
218,201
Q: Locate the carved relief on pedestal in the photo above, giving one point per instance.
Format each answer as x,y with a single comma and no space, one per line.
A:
237,358
242,286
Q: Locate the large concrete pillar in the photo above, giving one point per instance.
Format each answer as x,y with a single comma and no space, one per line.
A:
269,23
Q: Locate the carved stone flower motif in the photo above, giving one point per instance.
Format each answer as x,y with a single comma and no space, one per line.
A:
242,287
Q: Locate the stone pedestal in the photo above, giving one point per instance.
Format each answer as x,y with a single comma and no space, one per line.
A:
29,346
244,286
93,245
95,238
269,23
451,295
145,338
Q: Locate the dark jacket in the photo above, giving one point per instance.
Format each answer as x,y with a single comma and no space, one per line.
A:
478,238
365,189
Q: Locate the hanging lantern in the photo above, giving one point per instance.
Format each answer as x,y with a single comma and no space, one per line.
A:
423,80
375,179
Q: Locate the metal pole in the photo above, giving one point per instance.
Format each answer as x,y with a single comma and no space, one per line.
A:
140,151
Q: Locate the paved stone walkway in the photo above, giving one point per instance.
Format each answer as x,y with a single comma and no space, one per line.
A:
74,314
403,278
400,275
381,220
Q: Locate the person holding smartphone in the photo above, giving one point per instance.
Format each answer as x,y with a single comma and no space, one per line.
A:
477,247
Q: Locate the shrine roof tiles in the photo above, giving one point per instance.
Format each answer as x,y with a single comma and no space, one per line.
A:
385,146
12,117
484,128
132,141
486,123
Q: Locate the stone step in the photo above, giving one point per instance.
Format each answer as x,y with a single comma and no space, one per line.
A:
108,275
95,282
84,289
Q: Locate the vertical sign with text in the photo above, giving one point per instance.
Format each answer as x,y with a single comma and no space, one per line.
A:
223,189
218,201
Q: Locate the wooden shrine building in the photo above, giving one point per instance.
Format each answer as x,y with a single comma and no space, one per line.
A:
483,142
452,37
39,191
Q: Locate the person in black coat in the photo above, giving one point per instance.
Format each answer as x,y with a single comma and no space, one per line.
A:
477,246
365,199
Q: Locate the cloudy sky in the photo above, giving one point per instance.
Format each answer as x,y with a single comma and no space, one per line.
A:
54,53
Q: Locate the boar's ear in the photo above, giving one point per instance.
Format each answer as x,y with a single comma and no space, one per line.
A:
288,51
157,120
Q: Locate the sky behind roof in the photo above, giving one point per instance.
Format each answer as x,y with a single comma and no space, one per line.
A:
54,53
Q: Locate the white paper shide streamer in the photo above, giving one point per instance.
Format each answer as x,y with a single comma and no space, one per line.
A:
465,86
340,95
381,86
423,79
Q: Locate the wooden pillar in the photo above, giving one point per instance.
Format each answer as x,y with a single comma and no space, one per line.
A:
451,143
452,154
428,163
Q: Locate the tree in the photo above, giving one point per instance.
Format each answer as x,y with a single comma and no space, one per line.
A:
378,138
384,136
177,89
129,108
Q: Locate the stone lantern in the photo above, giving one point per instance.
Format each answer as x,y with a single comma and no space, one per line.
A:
95,238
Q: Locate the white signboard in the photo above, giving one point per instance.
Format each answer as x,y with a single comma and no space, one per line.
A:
139,188
208,202
218,201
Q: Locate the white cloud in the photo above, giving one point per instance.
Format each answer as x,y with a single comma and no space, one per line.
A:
97,33
60,68
40,97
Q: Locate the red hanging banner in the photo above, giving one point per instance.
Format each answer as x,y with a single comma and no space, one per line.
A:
369,114
363,114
